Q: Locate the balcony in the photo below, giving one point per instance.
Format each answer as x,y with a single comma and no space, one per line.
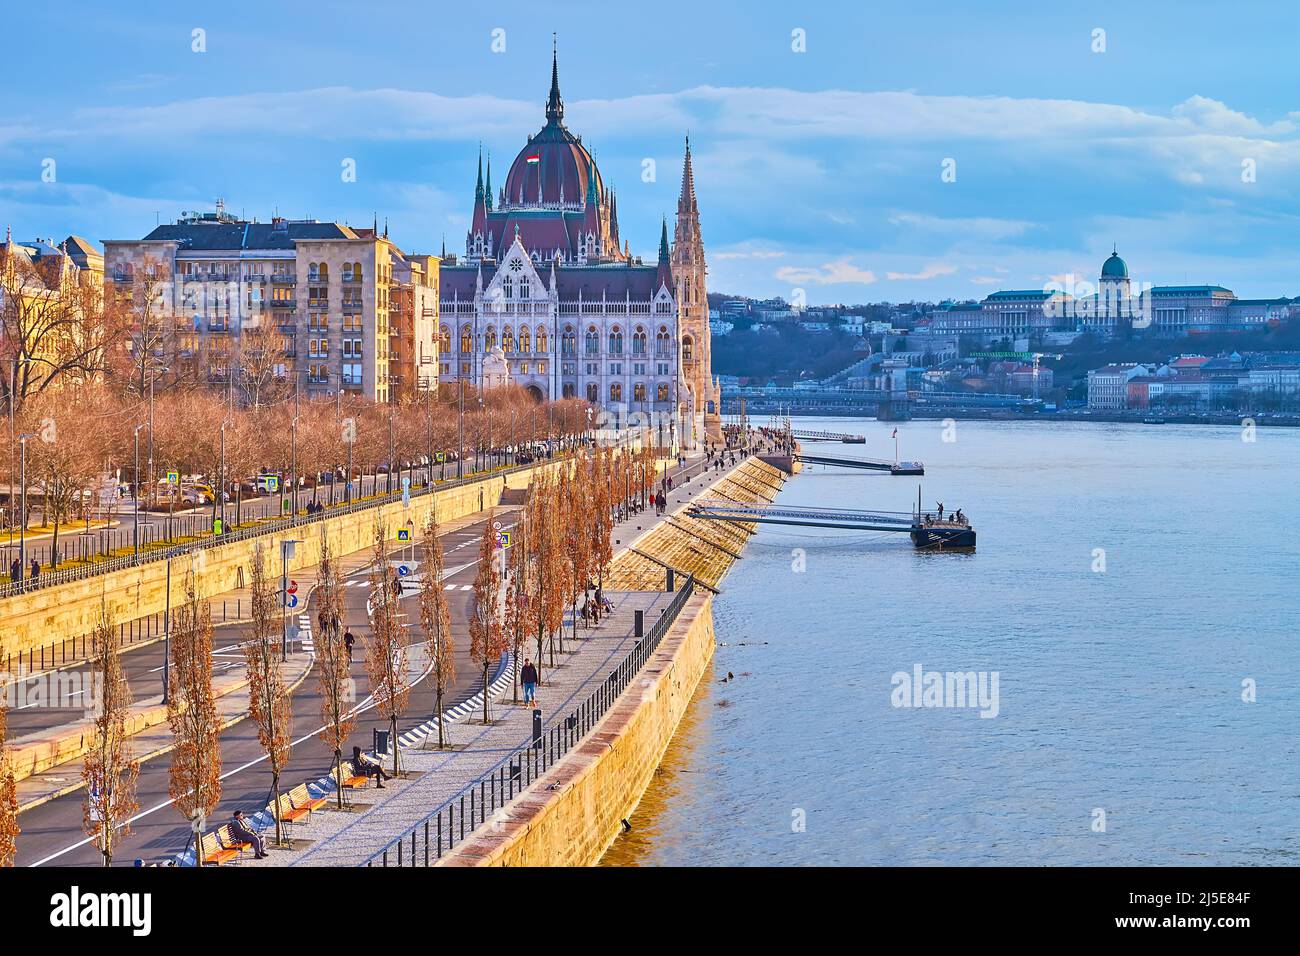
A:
351,278
218,326
284,303
352,308
284,278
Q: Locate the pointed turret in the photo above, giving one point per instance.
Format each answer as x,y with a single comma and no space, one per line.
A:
686,200
487,190
478,186
665,273
554,105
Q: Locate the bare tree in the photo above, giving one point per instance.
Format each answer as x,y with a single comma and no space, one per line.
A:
436,619
9,828
110,770
269,702
194,781
386,653
486,642
335,678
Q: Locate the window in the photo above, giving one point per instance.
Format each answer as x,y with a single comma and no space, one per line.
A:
507,339
568,342
444,339
523,287
616,392
638,392
662,342
466,340
593,341
638,341
616,341
541,339
523,368
593,395
508,286
688,349
489,339
663,392
524,344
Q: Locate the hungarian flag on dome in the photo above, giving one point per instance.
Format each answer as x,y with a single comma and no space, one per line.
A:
534,159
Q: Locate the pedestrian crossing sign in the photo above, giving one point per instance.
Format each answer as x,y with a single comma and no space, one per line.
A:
403,534
503,539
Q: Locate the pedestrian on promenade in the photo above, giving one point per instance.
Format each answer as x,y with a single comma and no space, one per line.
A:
367,766
528,675
36,569
241,831
16,571
348,640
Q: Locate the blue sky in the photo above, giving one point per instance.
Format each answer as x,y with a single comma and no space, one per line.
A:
816,170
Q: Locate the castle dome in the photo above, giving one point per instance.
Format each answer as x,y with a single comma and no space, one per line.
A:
1114,267
554,161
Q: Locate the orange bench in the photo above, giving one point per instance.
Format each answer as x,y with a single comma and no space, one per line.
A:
221,846
348,779
297,804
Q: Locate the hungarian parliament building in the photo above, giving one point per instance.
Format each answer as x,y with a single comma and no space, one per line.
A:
549,296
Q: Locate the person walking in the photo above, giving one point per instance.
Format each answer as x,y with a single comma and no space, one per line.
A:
36,569
16,571
348,640
528,676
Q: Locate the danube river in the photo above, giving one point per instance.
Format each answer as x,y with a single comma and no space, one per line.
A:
1132,584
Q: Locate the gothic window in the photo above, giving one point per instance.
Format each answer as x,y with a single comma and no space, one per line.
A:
593,341
663,392
593,392
444,339
688,349
489,339
568,342
523,287
616,392
638,392
638,341
541,339
508,286
663,342
616,341
466,340
524,344
507,339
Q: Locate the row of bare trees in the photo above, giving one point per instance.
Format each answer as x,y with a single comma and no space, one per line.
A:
81,444
558,552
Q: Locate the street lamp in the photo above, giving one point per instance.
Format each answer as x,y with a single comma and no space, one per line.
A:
135,477
22,526
288,548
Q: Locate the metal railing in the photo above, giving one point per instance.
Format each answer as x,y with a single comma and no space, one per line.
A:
52,578
448,826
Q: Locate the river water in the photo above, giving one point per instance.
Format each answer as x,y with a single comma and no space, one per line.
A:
1132,584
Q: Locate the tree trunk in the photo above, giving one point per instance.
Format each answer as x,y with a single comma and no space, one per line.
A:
485,693
338,776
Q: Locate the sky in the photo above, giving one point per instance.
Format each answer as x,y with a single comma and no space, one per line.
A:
844,152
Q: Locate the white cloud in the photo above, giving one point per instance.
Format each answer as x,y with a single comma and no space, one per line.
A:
829,273
932,271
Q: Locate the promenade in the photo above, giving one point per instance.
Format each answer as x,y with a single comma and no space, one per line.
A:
433,777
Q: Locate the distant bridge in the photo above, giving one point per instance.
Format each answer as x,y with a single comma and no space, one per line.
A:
802,434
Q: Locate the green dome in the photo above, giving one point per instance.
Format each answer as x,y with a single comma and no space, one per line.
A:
1114,267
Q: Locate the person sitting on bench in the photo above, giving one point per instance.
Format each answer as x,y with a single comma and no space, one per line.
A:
367,766
241,831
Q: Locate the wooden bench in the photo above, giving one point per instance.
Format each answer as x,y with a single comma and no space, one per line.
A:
348,779
297,804
221,846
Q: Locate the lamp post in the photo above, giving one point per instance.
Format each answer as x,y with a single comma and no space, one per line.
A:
135,479
221,490
287,550
460,434
22,526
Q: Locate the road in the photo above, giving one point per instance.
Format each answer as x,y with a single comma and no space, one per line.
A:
52,835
